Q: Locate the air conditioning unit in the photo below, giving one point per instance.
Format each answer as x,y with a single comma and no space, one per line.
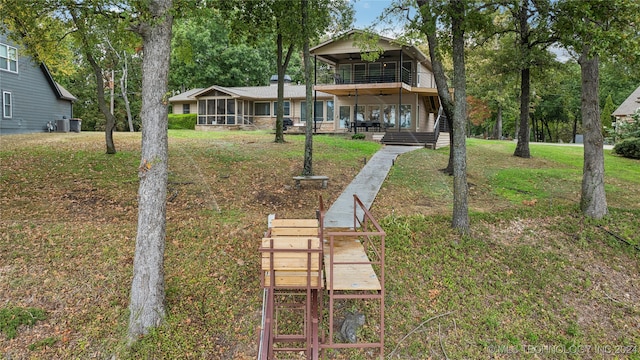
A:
62,125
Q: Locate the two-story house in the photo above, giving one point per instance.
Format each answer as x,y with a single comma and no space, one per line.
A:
30,97
395,95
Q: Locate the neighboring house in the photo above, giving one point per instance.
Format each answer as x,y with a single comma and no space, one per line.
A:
395,95
628,107
30,96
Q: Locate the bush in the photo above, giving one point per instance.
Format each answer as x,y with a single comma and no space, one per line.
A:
629,148
182,121
358,136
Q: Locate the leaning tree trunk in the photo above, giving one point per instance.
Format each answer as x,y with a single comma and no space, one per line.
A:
593,201
124,89
110,119
147,287
443,91
460,188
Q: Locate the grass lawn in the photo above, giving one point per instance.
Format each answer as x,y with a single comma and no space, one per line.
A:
533,280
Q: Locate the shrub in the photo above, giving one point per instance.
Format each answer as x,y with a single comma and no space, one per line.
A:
358,136
182,121
626,129
629,148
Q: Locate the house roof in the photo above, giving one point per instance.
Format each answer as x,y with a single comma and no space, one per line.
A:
185,96
65,94
248,92
327,53
58,89
629,106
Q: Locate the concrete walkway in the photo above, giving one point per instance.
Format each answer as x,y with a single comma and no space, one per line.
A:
366,185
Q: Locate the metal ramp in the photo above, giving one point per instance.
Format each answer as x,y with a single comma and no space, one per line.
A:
302,265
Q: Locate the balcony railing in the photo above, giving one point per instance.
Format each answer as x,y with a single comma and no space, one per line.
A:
364,77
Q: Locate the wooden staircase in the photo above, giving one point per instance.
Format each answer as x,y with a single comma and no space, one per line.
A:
433,139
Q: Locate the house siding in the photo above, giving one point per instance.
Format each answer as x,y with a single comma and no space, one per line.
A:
34,101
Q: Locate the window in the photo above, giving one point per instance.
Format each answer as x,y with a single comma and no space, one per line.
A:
360,73
375,72
344,73
217,111
405,116
330,109
7,105
389,115
231,111
389,72
202,112
374,113
287,108
318,111
186,108
360,112
262,109
8,58
345,117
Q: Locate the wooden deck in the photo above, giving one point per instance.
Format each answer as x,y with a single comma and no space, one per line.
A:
350,276
295,247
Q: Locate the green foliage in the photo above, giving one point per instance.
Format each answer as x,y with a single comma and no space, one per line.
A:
182,121
358,136
50,341
628,148
605,116
203,54
12,317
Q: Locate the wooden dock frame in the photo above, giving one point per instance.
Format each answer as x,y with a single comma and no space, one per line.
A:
349,272
294,261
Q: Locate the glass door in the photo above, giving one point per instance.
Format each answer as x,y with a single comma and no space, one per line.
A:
345,117
344,74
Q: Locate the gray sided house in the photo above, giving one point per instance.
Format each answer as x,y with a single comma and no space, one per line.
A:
30,97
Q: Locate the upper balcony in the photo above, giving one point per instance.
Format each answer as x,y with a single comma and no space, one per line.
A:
341,69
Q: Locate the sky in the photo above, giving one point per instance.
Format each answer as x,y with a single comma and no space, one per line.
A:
367,11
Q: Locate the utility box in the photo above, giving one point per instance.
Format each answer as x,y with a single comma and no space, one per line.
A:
62,125
75,124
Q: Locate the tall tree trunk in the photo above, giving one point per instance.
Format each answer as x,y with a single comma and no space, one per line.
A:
498,132
283,63
280,105
460,187
308,140
147,308
522,148
593,201
546,124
